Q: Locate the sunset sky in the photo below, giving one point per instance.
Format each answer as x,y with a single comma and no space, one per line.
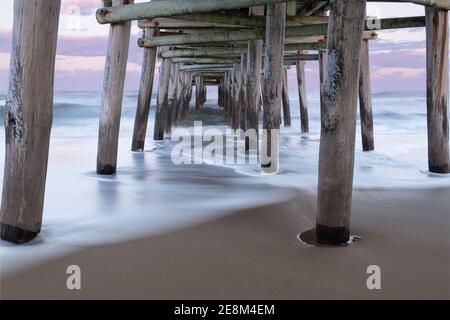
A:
397,57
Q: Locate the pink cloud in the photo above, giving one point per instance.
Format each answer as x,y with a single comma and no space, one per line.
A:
86,7
398,72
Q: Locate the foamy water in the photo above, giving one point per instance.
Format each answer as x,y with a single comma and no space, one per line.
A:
150,195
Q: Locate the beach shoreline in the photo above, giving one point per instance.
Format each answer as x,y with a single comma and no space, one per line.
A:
255,254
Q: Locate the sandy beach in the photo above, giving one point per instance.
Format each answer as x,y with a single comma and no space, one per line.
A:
255,254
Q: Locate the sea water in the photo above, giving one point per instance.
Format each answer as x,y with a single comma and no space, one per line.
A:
151,195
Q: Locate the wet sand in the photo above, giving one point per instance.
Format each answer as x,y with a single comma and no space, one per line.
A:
255,254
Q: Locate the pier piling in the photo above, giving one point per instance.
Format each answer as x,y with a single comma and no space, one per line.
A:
272,82
437,89
28,118
302,100
145,94
285,100
114,79
365,100
338,118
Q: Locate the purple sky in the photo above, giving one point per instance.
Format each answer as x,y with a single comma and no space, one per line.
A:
397,57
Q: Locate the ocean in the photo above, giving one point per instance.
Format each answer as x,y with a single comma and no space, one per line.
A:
150,195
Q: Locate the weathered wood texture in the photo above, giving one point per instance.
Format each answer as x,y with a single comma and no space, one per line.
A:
302,99
114,79
236,103
365,100
243,92
172,96
206,51
145,94
220,93
162,109
28,118
187,95
272,81
254,62
305,33
322,71
285,100
437,90
161,9
338,119
199,93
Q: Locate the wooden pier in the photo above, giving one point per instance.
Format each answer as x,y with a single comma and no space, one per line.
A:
245,48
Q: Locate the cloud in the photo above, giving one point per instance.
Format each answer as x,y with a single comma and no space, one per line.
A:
83,7
80,64
398,72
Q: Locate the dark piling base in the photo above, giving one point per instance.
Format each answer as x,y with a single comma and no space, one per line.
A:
310,237
439,169
105,169
332,236
16,235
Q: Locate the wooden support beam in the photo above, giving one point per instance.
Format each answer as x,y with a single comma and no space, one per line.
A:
172,96
254,62
161,9
285,100
243,92
206,67
236,103
322,72
437,90
258,33
221,20
28,118
273,73
220,93
215,60
145,95
225,52
199,93
365,100
162,109
338,117
187,96
115,69
302,99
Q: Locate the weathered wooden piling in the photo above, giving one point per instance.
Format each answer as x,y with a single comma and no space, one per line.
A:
302,99
243,92
338,118
437,90
322,71
28,118
273,73
285,100
115,69
220,93
254,61
235,104
145,94
172,96
365,100
162,104
199,93
187,95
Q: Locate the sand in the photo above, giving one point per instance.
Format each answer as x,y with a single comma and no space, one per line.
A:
255,254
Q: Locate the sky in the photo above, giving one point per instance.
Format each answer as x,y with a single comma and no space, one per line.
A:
397,57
